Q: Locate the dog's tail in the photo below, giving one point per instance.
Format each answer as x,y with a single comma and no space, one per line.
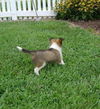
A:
24,50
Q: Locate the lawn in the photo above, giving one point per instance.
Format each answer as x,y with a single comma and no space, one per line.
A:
75,85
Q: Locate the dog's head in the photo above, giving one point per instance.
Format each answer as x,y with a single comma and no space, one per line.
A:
58,41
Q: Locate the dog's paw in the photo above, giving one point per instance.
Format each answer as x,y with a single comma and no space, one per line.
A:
36,71
62,63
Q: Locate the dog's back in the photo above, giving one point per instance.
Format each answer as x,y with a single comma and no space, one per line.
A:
46,55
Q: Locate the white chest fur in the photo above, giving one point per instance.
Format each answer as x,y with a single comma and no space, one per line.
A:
57,47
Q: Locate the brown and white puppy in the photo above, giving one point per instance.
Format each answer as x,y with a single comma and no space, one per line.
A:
41,57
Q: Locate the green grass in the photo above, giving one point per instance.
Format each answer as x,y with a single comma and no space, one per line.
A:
76,85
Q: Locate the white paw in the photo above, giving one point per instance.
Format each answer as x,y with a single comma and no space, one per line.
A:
36,71
62,63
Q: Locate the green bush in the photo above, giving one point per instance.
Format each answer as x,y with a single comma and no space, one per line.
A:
78,9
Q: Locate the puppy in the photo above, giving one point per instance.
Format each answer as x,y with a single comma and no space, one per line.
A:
41,57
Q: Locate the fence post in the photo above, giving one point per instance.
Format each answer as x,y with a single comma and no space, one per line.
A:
13,9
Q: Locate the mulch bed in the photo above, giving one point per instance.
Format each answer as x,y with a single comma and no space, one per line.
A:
95,25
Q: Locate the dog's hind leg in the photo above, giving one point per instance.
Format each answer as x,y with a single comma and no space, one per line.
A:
38,67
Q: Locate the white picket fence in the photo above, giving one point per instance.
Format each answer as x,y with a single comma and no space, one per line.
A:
25,9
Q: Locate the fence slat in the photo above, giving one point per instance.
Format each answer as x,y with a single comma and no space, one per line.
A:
13,9
53,3
49,5
3,6
44,5
39,5
34,5
29,5
0,6
24,5
19,5
8,5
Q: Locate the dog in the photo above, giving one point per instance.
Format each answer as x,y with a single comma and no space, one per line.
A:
41,57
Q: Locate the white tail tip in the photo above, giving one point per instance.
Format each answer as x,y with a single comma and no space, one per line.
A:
19,48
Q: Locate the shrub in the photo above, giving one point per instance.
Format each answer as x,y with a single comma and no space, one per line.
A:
78,9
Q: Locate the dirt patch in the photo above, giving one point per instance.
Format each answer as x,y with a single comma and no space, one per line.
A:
95,25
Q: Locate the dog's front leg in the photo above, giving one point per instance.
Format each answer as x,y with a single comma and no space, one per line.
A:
61,59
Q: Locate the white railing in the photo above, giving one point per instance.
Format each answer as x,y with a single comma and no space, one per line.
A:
26,9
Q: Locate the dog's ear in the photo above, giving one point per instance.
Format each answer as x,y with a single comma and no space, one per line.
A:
61,39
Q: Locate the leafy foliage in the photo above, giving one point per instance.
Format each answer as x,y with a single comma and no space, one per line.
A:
78,9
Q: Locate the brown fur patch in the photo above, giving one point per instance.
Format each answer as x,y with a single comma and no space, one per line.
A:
49,55
58,41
